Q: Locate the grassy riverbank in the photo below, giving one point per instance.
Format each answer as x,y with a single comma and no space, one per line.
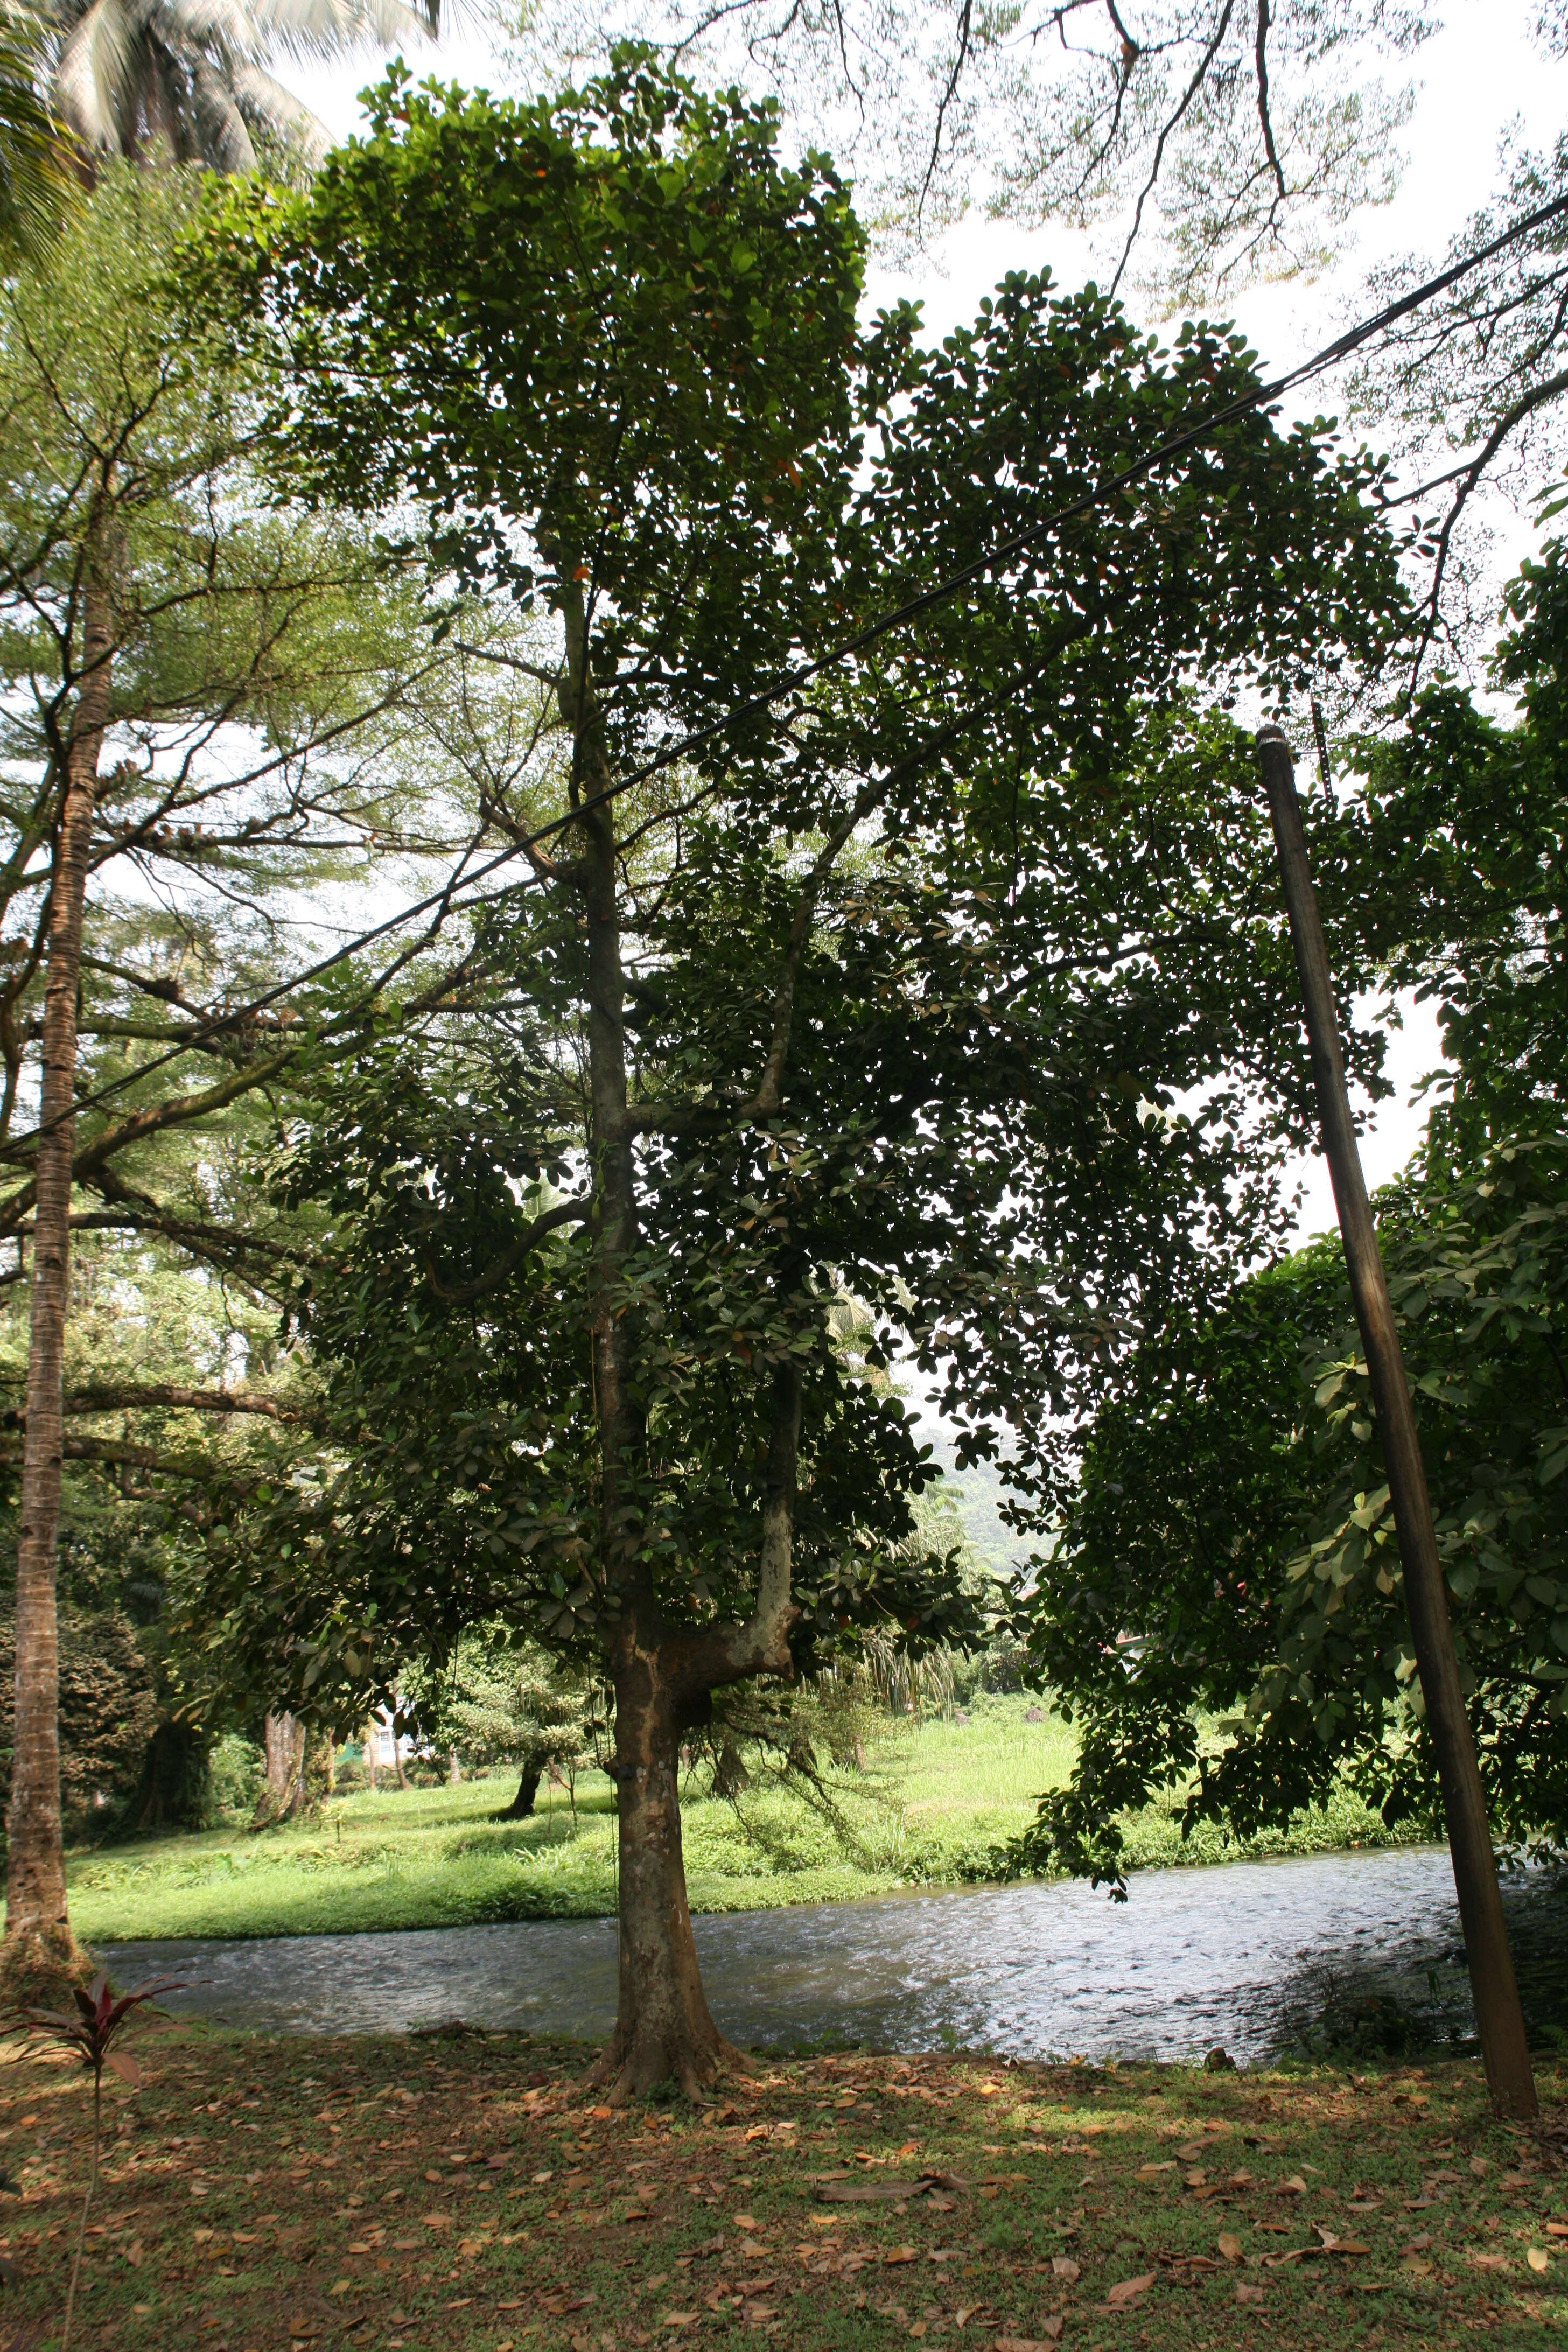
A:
467,2195
937,1807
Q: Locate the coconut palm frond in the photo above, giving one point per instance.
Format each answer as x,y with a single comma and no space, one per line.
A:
214,29
191,75
221,136
37,183
96,78
277,113
326,28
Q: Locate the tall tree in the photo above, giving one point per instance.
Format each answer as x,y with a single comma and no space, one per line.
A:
861,997
202,690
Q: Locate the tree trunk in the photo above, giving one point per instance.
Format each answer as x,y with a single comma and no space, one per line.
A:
521,1805
39,1939
664,2031
662,1674
454,1769
314,1779
400,1774
369,1745
283,1738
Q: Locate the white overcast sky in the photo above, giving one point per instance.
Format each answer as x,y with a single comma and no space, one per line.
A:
1479,77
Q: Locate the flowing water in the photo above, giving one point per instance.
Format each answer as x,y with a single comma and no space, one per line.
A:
1259,1958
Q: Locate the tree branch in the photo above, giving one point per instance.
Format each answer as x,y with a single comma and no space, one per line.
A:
565,1213
1263,114
131,1398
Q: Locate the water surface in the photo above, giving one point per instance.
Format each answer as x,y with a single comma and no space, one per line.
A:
1247,1956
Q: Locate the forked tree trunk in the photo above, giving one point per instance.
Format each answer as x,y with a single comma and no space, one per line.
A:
38,1941
664,2029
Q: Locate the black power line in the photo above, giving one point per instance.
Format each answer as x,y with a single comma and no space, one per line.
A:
790,680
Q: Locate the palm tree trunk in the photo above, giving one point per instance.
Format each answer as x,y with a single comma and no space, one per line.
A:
38,1941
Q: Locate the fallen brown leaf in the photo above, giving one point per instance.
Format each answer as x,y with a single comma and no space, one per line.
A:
1064,2267
1539,2259
1245,2294
1127,2291
1230,2246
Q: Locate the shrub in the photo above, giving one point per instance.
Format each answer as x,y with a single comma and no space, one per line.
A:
234,1775
108,1714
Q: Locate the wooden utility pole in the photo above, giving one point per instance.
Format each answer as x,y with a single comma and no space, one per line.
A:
1504,2050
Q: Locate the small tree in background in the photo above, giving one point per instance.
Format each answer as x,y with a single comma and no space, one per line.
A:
497,1702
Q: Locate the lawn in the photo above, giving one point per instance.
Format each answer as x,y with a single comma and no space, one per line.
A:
465,2193
936,1806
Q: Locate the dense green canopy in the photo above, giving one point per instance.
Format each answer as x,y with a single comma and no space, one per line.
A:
1230,1552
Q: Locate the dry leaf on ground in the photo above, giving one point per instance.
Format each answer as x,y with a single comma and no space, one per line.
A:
1127,2291
1230,2246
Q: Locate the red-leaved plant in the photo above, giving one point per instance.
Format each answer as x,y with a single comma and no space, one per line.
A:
92,2031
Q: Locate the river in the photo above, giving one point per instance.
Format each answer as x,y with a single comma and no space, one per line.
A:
1251,1957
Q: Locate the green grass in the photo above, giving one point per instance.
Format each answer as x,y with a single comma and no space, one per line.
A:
936,1808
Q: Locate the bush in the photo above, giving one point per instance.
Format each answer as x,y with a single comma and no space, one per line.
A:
234,1774
108,1714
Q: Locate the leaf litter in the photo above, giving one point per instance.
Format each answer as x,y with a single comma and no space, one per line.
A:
552,2220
